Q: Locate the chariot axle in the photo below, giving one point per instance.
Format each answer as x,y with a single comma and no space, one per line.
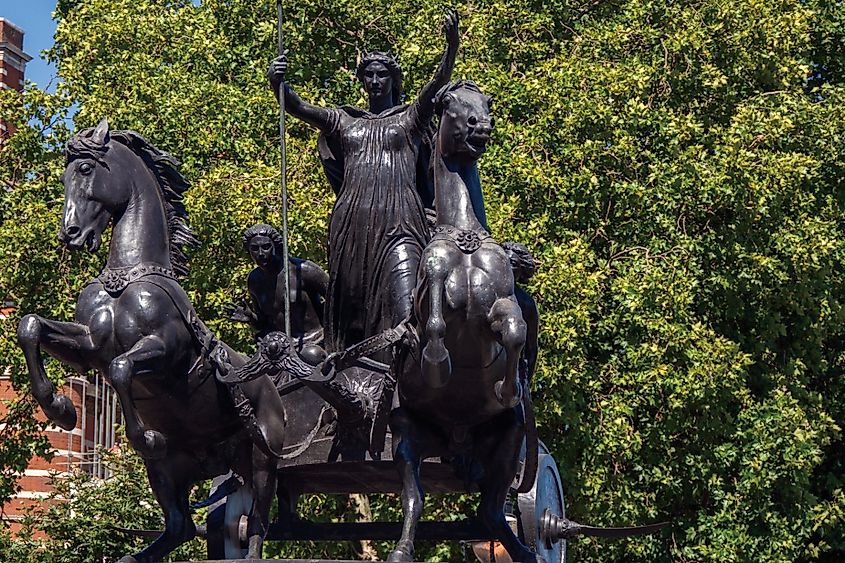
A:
554,528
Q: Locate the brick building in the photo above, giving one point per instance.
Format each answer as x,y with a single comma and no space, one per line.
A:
97,413
96,404
12,62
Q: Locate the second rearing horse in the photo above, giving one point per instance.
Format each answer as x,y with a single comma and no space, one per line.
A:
458,385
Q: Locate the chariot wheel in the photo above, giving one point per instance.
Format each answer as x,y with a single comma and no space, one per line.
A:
538,506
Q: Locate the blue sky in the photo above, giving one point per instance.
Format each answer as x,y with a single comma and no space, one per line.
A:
34,16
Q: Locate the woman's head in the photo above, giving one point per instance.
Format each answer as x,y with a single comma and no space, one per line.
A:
381,75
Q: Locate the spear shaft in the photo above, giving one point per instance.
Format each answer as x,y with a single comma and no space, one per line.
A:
285,251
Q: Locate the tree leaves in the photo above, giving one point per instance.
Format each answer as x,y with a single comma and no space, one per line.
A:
675,167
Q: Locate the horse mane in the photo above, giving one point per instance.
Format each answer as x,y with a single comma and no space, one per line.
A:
448,88
171,183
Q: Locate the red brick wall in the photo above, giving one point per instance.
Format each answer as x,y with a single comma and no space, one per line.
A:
71,453
12,64
11,33
34,481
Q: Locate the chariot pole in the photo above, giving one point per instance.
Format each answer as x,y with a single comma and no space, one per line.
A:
285,252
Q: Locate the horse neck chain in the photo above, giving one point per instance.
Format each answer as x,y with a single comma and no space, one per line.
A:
467,241
116,280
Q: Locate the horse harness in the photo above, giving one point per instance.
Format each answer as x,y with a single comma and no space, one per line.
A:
116,280
467,241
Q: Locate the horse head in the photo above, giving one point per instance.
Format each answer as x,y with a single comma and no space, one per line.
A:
465,122
95,189
106,170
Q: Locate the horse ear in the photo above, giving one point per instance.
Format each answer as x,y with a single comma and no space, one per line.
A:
441,103
439,99
101,133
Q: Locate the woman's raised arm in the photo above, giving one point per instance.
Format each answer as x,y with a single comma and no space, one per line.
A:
425,102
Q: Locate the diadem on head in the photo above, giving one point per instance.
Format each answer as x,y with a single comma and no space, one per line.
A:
392,65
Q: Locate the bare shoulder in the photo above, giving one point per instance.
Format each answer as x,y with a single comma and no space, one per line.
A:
310,270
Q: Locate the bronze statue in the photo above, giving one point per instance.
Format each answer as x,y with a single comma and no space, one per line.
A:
381,77
377,228
459,385
136,326
462,352
308,285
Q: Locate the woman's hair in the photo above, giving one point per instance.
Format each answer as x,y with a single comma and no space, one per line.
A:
265,231
392,65
521,259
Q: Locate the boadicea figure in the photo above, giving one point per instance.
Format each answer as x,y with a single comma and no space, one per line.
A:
380,75
136,326
459,387
377,229
308,285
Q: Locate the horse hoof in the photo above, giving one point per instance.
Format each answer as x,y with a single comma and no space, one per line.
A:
436,365
402,553
62,412
256,542
511,399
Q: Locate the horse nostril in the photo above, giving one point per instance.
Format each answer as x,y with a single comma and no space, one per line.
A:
72,231
472,120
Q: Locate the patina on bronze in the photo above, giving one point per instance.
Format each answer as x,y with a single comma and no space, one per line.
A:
136,326
306,288
377,229
462,354
459,385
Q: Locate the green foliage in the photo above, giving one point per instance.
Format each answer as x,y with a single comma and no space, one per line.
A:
676,168
29,212
83,511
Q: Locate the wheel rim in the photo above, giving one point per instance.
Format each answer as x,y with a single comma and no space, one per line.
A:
547,493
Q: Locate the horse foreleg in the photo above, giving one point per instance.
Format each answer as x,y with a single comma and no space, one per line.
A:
146,355
67,342
436,366
171,485
264,488
407,459
498,446
506,322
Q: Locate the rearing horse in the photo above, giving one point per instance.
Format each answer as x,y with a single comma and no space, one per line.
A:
136,325
458,385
